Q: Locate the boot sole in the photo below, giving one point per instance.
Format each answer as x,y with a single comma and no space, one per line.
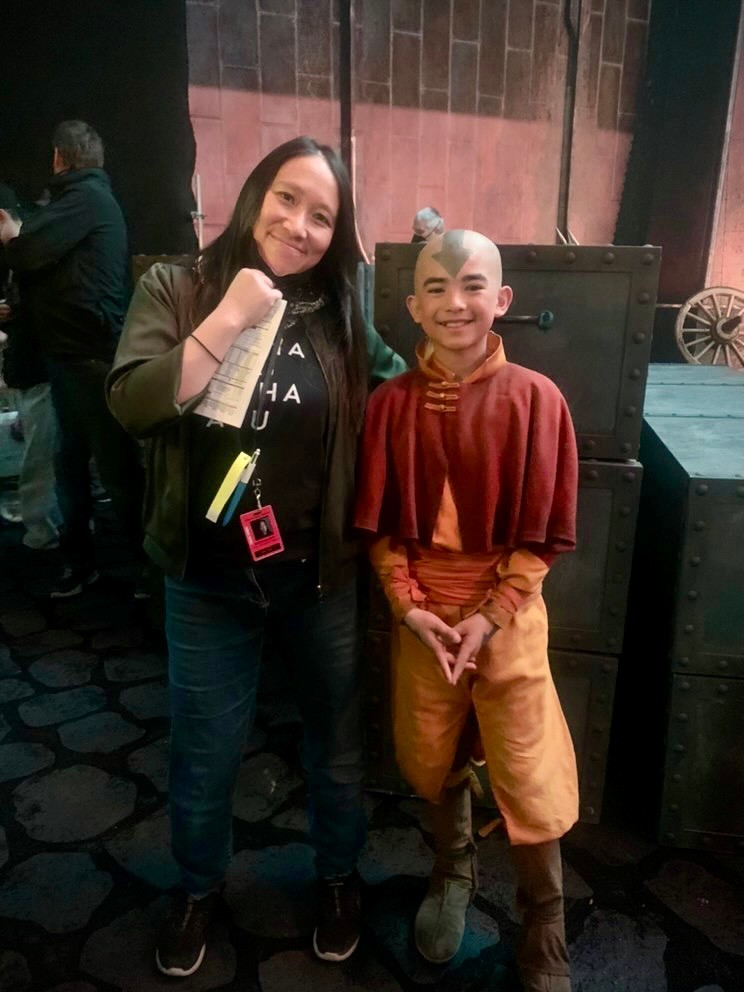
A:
436,960
180,972
77,590
333,955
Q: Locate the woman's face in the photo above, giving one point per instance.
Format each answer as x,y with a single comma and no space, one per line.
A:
298,216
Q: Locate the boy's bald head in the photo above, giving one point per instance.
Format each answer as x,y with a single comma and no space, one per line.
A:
458,295
452,250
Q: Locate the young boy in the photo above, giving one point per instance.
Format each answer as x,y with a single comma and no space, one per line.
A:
468,484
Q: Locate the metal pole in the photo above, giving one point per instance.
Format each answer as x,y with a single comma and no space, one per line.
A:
198,214
572,21
344,80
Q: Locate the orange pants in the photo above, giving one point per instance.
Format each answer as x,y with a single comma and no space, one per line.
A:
525,739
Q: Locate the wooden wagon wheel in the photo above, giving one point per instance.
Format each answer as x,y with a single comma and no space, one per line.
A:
710,327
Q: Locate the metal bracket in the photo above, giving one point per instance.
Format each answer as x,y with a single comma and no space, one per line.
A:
544,320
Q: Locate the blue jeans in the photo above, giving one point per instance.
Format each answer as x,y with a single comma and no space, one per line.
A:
39,509
215,625
87,427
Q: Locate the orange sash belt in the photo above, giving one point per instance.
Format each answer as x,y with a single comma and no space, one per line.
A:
453,578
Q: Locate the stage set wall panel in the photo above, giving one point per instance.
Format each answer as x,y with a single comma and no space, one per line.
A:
455,103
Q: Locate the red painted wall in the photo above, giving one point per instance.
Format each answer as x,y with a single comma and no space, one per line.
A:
727,255
457,104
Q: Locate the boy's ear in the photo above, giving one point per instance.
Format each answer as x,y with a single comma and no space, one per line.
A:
413,308
505,297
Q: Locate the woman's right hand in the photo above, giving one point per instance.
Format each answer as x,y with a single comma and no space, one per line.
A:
248,299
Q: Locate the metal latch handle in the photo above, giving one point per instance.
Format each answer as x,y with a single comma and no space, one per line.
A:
544,320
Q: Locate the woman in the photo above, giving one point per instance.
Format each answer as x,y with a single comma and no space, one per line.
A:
292,235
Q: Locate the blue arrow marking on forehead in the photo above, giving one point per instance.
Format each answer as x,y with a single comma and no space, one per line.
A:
453,253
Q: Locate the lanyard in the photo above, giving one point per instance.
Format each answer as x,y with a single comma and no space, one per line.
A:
240,488
239,474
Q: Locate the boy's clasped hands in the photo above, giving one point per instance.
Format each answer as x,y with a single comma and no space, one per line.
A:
455,648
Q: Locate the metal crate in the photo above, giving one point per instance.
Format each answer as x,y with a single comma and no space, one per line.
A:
682,374
695,468
696,399
704,767
679,728
586,592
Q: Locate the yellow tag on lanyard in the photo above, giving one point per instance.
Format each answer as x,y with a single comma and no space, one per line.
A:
228,486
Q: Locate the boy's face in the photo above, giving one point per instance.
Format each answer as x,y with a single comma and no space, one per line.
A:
458,290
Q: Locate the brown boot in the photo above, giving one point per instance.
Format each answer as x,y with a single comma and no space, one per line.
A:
440,921
542,956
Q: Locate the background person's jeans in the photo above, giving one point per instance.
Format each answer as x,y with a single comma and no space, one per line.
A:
215,626
87,427
36,488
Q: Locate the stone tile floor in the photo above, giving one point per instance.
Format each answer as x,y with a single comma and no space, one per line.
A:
85,867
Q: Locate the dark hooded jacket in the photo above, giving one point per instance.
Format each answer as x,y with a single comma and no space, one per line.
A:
72,258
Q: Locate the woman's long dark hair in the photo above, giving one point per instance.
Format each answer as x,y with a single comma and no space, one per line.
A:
218,263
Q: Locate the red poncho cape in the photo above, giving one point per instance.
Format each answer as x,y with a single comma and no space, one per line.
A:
504,439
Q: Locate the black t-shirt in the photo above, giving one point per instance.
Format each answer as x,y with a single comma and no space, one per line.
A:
287,420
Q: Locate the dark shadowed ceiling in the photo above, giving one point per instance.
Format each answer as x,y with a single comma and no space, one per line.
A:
122,66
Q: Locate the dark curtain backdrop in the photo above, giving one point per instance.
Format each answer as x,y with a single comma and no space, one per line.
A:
122,66
673,170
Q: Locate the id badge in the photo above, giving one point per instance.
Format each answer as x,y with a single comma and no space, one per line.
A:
261,533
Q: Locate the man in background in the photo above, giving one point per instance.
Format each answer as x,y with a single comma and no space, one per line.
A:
72,257
24,370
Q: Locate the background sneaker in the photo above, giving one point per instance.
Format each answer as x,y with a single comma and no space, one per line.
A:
182,941
144,584
73,582
339,916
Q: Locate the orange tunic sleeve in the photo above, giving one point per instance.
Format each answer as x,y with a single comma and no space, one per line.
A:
520,578
389,559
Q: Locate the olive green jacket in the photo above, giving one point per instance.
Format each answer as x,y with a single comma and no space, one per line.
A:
142,389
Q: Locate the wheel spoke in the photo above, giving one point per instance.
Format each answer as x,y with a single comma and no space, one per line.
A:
716,353
701,335
703,320
735,346
705,309
698,355
716,307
